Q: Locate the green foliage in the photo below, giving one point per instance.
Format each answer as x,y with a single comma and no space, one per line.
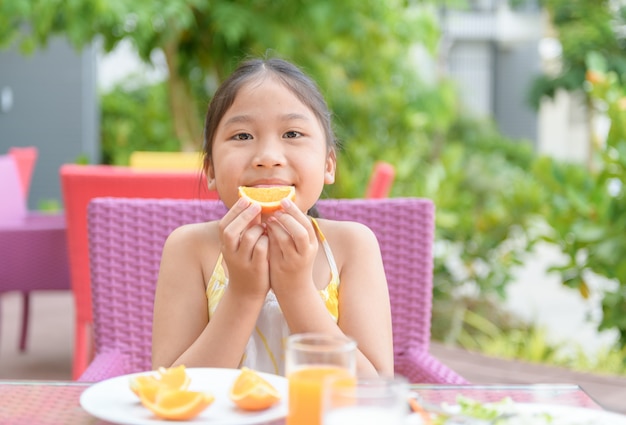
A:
531,343
584,206
359,51
573,202
49,206
588,205
487,203
135,118
582,26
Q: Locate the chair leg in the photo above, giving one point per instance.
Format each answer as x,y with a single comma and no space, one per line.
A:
82,348
25,316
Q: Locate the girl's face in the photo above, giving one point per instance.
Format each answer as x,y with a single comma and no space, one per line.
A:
268,137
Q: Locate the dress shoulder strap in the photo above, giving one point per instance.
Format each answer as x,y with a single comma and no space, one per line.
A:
334,272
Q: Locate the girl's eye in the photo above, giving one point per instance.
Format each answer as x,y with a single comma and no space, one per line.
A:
292,134
242,136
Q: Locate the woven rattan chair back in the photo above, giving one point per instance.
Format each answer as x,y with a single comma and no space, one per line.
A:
126,237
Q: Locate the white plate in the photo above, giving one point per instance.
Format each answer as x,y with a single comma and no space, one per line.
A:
112,400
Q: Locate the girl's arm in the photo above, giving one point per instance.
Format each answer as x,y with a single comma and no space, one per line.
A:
364,307
182,332
364,311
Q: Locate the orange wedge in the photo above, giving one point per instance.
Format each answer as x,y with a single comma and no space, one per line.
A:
148,386
250,391
145,386
418,409
268,197
178,405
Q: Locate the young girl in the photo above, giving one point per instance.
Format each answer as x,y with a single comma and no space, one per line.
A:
230,292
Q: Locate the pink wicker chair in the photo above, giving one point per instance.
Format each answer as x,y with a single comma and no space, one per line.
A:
125,242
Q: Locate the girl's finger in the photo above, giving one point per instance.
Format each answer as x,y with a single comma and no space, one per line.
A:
240,217
249,238
261,247
236,209
286,231
277,235
295,220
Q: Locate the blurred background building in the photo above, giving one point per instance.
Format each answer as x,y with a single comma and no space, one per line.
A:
49,100
491,51
494,51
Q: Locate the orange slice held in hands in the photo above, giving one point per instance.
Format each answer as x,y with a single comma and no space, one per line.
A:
251,391
268,197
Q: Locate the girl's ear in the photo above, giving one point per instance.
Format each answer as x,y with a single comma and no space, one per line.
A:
210,177
331,166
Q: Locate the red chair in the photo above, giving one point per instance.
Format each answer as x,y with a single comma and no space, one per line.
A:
381,181
25,158
33,246
126,237
80,184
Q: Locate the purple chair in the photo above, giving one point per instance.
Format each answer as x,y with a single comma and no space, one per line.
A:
126,237
33,246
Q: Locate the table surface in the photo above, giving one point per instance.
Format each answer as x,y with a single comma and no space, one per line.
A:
57,402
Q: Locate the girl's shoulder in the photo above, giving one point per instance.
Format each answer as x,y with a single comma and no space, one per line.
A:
342,233
341,225
192,247
194,235
193,231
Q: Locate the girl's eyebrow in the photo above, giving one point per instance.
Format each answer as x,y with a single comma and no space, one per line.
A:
238,119
294,116
247,118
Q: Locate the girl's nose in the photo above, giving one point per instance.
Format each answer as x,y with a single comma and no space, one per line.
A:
269,154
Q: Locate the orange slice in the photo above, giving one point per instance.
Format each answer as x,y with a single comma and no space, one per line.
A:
148,386
268,197
419,410
251,391
178,405
145,386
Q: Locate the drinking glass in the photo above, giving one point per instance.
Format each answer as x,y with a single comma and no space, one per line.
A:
310,359
368,401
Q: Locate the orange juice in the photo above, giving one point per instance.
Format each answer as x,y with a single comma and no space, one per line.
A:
305,393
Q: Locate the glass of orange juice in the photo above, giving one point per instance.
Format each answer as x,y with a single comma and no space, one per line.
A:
310,360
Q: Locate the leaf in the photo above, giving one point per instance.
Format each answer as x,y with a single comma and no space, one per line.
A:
583,289
586,232
596,61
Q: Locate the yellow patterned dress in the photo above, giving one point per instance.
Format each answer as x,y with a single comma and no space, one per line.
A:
265,350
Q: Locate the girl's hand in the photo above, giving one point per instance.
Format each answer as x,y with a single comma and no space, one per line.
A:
293,247
244,245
